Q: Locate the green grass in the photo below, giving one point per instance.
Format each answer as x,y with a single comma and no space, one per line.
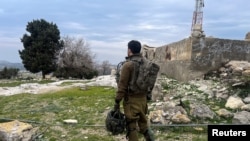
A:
89,107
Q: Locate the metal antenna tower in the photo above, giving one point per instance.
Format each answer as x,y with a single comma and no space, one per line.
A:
196,29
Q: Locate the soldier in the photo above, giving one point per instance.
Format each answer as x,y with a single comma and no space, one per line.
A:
134,103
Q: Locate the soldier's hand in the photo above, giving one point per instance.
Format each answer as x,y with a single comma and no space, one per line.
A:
117,107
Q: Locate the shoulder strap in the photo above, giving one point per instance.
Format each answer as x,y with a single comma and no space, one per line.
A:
118,67
118,71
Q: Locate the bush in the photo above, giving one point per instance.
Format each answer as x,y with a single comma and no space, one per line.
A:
8,73
75,73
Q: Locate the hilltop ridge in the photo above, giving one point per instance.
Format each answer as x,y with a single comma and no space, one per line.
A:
4,63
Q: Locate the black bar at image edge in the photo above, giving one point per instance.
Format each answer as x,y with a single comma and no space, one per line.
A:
235,132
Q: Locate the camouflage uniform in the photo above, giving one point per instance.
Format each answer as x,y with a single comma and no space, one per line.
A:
134,104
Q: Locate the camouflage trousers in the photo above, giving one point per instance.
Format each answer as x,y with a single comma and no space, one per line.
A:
135,110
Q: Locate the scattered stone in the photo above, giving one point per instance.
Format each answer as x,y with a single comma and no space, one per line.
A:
224,113
70,121
242,117
234,103
180,118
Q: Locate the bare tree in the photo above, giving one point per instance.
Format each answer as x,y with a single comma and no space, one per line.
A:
76,56
105,67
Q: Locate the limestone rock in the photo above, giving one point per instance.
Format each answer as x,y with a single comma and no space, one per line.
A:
234,103
16,131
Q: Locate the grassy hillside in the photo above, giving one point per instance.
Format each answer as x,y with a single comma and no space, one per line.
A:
89,107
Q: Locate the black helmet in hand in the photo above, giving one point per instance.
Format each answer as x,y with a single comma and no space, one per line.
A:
115,122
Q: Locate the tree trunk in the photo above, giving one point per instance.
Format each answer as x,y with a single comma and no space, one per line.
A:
43,75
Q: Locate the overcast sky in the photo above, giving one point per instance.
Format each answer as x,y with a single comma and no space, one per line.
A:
107,25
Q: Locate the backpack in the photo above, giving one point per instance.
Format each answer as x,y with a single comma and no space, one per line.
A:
145,75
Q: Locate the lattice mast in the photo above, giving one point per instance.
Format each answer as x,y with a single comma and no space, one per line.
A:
198,16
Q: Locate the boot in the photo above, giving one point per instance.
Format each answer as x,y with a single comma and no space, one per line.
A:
148,135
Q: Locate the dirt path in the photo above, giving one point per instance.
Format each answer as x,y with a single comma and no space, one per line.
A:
35,88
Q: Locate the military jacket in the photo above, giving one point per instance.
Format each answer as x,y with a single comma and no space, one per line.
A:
125,77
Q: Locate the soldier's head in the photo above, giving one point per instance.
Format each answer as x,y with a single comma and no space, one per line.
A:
134,47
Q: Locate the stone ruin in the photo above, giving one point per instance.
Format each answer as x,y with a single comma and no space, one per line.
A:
191,58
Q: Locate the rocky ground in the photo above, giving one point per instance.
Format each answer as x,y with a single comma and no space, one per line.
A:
223,96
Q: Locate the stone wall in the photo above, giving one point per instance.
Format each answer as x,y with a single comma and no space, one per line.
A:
213,52
191,58
180,50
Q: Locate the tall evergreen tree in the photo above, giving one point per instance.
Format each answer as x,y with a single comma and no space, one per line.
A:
41,46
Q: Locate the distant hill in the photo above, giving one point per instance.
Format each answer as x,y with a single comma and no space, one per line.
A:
11,65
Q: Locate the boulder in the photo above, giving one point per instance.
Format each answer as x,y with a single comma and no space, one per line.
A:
16,131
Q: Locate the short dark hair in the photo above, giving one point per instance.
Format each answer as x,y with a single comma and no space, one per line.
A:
134,46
